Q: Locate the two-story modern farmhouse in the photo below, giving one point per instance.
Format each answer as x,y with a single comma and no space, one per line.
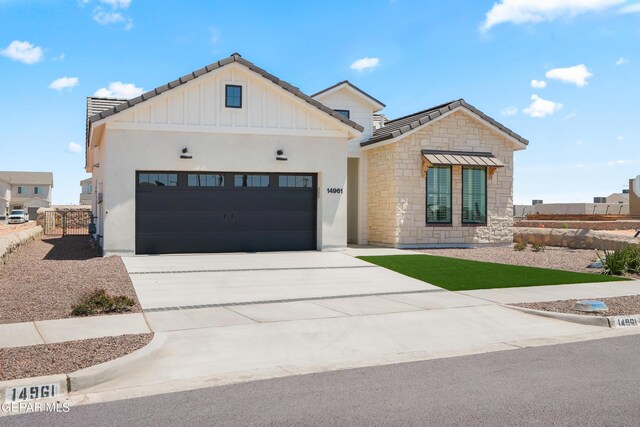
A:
231,158
28,191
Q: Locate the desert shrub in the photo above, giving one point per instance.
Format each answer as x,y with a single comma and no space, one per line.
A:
519,246
98,301
565,225
538,246
615,262
632,259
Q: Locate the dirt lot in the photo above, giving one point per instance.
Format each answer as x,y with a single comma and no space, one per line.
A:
551,257
62,358
14,228
42,279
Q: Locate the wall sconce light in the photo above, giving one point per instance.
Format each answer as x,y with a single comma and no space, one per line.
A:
185,154
96,165
281,155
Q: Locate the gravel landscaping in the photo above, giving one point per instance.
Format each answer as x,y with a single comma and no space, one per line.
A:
44,278
6,228
552,257
616,306
63,358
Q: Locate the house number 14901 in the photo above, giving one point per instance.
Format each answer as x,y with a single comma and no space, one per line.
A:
334,190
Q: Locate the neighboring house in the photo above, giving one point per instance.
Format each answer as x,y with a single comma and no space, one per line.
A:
25,190
230,158
619,197
86,193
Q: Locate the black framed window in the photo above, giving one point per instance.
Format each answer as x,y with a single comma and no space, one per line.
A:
439,195
295,181
20,190
474,195
157,179
233,96
36,190
345,113
251,180
205,180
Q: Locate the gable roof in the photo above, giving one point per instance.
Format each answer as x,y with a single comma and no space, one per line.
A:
352,86
396,127
27,178
109,110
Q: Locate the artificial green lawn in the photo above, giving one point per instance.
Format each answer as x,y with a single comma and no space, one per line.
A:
464,275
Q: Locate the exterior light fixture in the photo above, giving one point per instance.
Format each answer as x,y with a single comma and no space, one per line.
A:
281,155
185,154
96,165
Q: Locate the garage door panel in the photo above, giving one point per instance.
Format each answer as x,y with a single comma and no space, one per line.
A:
185,219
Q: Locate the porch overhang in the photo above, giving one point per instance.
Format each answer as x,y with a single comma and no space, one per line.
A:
460,158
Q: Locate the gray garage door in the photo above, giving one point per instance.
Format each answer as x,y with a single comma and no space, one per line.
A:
187,212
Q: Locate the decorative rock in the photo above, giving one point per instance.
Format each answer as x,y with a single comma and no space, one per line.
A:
590,306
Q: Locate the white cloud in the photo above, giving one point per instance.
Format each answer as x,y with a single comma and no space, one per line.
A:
541,107
74,148
535,11
538,84
64,82
580,142
214,35
570,116
622,60
632,8
60,57
117,4
119,90
509,111
576,75
620,138
106,18
365,63
622,162
23,52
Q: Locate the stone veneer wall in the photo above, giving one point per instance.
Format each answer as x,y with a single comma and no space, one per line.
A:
397,190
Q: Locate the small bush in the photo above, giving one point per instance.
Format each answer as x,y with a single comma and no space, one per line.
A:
565,225
520,246
98,301
632,259
615,262
538,246
82,310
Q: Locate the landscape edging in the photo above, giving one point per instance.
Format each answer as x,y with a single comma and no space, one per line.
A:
11,242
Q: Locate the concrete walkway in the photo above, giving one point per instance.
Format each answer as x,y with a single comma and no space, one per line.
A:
557,292
80,328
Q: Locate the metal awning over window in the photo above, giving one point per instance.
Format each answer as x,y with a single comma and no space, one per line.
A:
463,158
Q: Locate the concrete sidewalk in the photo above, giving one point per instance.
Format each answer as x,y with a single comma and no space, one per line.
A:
73,329
557,292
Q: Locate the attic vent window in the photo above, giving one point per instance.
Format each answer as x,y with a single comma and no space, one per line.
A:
345,113
233,96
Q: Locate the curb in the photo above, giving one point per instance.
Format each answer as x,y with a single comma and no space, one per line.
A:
76,381
107,371
15,407
603,321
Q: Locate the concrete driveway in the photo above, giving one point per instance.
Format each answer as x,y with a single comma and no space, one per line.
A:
185,281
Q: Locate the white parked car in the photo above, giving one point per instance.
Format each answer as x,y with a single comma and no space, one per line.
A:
18,216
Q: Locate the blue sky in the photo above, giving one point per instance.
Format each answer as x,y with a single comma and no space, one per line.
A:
584,124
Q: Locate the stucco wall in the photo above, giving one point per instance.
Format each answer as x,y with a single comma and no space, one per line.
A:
126,151
395,172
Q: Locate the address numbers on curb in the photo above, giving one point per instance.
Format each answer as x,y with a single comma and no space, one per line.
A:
23,394
625,321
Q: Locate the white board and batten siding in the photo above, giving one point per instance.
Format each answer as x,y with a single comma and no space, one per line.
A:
199,106
151,135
